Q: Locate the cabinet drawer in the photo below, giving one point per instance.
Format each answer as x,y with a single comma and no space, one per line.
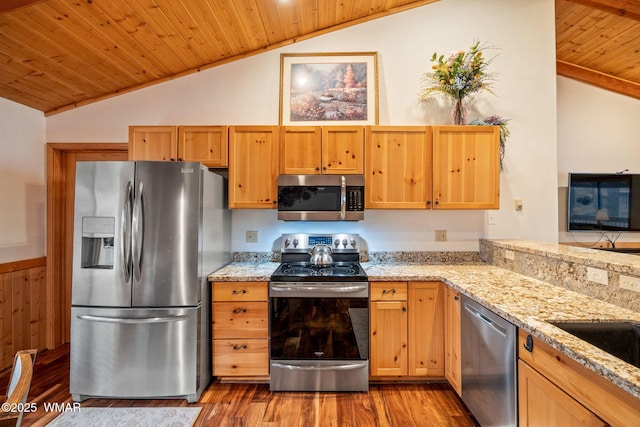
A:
239,357
388,291
239,291
240,319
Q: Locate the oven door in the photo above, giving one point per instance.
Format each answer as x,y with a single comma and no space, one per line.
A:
319,336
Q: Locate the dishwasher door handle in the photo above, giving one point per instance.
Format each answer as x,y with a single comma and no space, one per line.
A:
486,320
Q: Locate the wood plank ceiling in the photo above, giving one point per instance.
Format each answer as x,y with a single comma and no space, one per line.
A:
56,55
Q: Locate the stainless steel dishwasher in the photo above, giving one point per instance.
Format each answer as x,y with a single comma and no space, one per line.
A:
489,380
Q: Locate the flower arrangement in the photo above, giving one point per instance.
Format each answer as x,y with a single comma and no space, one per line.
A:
504,131
459,75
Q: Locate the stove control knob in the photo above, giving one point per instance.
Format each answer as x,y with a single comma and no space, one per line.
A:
295,243
344,242
336,243
353,243
287,242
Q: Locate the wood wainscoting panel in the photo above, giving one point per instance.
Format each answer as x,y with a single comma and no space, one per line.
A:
22,307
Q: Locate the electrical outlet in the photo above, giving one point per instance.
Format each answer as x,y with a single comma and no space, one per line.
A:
441,235
631,283
597,275
252,237
509,255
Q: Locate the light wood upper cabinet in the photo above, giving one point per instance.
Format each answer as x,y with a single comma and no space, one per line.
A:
452,343
300,150
466,167
332,150
398,167
205,144
253,166
153,143
343,150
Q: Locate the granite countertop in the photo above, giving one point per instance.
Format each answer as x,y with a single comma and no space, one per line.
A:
526,302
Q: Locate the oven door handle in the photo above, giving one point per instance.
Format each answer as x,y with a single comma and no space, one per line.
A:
349,367
325,288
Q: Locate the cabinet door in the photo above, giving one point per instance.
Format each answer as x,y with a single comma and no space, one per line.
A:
343,150
388,341
153,143
206,144
253,166
452,361
466,167
398,167
543,404
300,150
426,335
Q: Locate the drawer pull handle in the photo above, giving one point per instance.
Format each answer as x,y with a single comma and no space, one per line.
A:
388,291
239,347
529,344
240,292
239,310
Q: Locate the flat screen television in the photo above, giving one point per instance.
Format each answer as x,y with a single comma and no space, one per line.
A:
603,202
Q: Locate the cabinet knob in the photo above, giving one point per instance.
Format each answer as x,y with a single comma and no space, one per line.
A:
529,344
457,298
404,309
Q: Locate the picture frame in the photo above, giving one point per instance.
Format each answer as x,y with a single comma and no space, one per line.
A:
329,88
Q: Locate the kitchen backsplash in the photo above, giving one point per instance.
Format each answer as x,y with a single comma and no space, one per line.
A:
568,267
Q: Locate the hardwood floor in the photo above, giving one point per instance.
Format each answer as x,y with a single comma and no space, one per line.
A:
252,405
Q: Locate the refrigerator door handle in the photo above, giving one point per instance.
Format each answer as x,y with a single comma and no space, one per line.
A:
132,320
125,241
137,224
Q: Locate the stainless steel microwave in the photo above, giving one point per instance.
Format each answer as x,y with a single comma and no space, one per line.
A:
321,197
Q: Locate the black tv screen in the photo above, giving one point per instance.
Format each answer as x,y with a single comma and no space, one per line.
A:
603,202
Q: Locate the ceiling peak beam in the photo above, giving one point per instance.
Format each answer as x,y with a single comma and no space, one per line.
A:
625,8
604,81
9,5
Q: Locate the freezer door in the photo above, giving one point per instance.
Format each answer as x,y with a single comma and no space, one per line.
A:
101,234
166,229
135,353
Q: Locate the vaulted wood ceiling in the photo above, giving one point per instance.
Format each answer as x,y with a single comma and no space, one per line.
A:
59,54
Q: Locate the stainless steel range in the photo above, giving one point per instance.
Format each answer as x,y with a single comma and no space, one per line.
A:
319,315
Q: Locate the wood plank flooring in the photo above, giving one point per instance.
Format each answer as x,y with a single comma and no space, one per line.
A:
434,404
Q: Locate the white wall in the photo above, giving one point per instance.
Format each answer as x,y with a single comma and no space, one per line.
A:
246,92
22,182
598,131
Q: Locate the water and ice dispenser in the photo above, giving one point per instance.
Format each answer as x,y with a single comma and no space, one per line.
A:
97,242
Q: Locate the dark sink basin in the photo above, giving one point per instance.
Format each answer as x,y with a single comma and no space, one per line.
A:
621,339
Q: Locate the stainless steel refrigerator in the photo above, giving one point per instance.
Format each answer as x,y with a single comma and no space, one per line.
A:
146,236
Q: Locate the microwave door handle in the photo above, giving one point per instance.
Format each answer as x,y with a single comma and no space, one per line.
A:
343,198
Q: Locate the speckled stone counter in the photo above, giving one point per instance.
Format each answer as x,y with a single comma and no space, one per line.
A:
526,302
529,304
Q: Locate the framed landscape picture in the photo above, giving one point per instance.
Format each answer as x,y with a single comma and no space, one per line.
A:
328,88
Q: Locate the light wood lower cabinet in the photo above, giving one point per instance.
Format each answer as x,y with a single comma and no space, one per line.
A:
555,390
240,319
452,343
406,324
